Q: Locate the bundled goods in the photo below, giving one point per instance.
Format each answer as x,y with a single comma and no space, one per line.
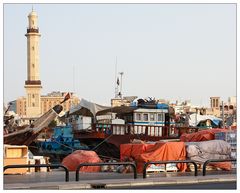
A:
206,150
73,160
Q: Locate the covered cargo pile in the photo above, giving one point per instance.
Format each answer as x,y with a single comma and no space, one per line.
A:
73,160
204,135
229,136
142,153
213,149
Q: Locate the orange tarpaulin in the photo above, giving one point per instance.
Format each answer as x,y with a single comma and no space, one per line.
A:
203,135
155,152
133,150
223,165
73,160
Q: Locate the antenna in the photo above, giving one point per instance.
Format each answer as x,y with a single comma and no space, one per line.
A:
116,80
121,74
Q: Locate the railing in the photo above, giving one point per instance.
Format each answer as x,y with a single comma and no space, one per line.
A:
144,130
34,30
215,160
40,165
166,162
103,164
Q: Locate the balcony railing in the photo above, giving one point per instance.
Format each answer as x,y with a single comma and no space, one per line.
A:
32,30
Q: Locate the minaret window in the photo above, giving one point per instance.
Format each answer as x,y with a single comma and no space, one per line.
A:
32,47
33,22
33,65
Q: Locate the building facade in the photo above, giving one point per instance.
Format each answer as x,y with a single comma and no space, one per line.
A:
47,102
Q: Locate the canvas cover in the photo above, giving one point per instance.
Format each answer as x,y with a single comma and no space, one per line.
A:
205,150
81,156
195,119
203,135
84,107
159,151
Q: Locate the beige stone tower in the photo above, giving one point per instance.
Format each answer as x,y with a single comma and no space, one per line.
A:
33,83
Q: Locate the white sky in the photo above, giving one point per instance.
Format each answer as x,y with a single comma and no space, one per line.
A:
167,51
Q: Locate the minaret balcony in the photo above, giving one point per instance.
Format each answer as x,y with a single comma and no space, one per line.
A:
32,30
32,82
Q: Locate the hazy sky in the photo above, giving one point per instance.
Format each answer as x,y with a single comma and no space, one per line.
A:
167,51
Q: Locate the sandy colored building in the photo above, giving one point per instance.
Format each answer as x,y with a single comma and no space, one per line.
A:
47,102
217,107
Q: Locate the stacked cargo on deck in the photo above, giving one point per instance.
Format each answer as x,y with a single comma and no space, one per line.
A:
199,147
207,150
159,151
228,136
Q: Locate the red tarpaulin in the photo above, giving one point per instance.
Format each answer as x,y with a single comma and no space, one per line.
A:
80,156
203,135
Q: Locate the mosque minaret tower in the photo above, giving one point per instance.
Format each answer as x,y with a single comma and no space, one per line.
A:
33,83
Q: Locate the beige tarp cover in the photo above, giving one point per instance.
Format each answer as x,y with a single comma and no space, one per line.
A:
87,108
213,149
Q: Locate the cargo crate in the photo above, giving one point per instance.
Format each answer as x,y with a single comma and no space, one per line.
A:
15,155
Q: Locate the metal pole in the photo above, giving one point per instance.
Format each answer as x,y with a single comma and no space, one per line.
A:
196,117
223,114
115,82
121,73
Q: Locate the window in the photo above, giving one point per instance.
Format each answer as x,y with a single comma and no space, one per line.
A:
214,103
145,117
32,47
152,117
160,117
33,65
138,116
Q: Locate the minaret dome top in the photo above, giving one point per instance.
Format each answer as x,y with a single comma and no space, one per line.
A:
33,20
33,13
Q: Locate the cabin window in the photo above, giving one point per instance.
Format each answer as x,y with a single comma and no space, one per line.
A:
152,117
138,116
145,117
160,117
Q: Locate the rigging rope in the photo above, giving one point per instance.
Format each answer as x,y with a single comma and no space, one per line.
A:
102,142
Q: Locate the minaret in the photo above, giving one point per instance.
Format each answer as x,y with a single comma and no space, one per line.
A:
33,83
